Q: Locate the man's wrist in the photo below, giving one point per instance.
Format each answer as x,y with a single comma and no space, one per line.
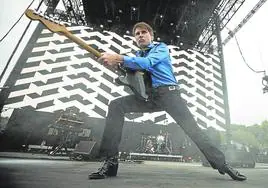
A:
119,59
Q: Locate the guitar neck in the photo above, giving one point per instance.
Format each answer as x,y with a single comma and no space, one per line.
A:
81,43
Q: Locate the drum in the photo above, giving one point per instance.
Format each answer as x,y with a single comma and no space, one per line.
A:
150,144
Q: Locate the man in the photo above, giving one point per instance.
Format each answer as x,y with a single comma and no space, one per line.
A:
163,95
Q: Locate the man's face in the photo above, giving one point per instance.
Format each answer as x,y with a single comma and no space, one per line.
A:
143,37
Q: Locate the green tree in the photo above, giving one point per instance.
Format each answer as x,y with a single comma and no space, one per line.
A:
245,137
263,134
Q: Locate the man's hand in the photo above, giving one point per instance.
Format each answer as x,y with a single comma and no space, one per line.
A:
111,59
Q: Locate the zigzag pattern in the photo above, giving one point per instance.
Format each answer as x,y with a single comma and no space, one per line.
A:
58,74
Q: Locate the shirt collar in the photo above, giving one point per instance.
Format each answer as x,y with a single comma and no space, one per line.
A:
150,46
146,49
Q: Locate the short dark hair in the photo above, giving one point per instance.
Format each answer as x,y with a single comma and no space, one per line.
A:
144,26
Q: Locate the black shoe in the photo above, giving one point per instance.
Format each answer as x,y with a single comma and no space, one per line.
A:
234,174
108,169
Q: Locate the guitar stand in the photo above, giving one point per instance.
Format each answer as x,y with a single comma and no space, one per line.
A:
58,148
62,144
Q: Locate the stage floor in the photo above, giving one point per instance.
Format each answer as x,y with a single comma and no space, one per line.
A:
49,173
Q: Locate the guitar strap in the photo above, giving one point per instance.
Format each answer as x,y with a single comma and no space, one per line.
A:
147,75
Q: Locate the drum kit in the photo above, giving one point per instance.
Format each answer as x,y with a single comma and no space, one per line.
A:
160,144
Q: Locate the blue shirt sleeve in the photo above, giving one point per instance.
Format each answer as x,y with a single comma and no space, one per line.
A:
155,56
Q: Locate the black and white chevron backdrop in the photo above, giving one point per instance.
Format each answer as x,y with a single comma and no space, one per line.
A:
58,74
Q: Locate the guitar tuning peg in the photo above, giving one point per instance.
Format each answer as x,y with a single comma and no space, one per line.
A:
56,21
67,24
55,18
39,12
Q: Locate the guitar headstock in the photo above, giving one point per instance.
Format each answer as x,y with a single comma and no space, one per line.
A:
50,24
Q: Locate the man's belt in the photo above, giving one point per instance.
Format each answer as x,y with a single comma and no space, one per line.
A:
166,88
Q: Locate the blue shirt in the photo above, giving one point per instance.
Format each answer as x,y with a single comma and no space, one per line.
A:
156,61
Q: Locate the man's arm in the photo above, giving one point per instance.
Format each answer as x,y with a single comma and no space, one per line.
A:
111,59
158,54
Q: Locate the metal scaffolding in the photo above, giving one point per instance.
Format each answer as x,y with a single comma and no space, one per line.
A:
226,9
244,21
73,13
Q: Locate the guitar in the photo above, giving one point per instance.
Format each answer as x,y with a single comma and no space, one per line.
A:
133,79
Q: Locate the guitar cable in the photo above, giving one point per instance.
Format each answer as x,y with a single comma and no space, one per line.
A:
17,45
15,23
265,77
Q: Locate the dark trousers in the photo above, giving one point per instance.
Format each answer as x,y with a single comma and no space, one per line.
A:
161,99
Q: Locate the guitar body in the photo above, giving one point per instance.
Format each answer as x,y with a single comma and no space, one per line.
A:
133,79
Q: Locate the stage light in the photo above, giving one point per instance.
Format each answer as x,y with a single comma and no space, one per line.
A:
133,8
134,14
193,3
265,84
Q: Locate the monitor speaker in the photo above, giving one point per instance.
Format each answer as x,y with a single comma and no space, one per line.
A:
84,147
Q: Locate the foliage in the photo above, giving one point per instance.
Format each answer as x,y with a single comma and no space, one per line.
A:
253,136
